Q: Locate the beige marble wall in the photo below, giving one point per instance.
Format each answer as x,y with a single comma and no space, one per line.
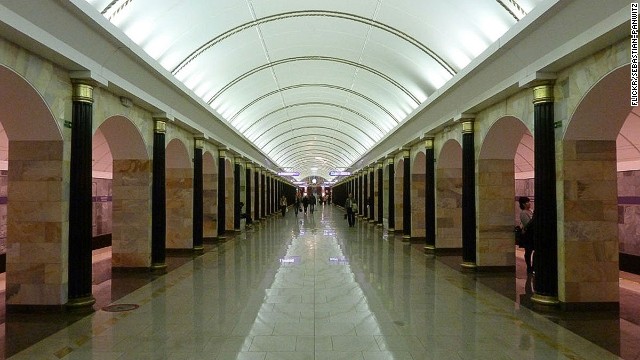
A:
418,182
131,235
495,194
398,203
210,205
229,202
448,208
587,228
37,224
179,193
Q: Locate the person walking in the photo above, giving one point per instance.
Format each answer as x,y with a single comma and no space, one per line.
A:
283,204
526,219
296,204
312,203
348,205
305,203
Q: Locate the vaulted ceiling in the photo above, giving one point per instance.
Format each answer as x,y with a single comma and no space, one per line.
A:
314,84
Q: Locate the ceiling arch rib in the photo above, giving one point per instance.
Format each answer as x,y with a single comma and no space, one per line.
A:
328,86
314,13
320,147
351,154
285,122
275,63
317,153
318,128
247,132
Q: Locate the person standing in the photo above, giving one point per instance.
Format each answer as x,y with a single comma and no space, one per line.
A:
348,205
283,204
312,203
296,204
526,219
305,203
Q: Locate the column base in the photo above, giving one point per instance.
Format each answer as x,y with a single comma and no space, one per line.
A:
406,238
81,303
430,249
371,221
198,249
545,300
379,224
159,267
468,265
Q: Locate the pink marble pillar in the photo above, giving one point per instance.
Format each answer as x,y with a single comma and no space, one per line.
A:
448,208
179,192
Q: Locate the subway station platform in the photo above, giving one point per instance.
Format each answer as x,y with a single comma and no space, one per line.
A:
310,287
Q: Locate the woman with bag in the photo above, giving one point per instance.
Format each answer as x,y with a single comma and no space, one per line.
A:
283,204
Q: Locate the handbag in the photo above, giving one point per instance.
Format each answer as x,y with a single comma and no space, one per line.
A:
518,236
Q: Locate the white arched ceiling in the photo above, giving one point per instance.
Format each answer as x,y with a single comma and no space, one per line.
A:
331,77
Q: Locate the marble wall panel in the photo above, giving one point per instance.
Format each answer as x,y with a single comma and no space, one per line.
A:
418,183
448,208
588,222
210,205
629,212
131,236
179,192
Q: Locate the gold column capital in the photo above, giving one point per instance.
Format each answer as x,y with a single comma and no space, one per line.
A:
250,165
428,143
198,143
238,160
160,127
467,126
82,91
389,160
379,164
405,153
222,153
543,93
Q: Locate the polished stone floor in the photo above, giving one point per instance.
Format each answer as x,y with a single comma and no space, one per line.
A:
312,288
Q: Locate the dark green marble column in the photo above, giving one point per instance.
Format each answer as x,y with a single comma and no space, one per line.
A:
159,199
80,211
372,200
380,193
406,195
468,196
256,192
222,155
545,260
198,205
237,167
391,205
247,192
430,197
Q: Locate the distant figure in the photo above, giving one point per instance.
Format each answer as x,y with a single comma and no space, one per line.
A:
305,203
526,218
348,205
312,202
283,204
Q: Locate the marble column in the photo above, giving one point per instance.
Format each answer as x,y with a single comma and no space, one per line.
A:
391,208
365,192
159,198
237,210
256,194
468,196
545,237
372,197
80,206
248,195
263,193
380,195
222,189
406,195
430,196
198,196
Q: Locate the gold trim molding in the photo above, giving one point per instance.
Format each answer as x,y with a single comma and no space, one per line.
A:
543,94
467,127
428,143
160,127
82,92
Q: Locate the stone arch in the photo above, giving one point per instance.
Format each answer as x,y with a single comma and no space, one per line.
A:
587,183
210,194
449,196
496,191
179,192
131,169
37,211
418,184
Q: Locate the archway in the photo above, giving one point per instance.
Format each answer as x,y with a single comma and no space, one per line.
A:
449,197
506,154
36,215
179,192
588,213
418,183
122,181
